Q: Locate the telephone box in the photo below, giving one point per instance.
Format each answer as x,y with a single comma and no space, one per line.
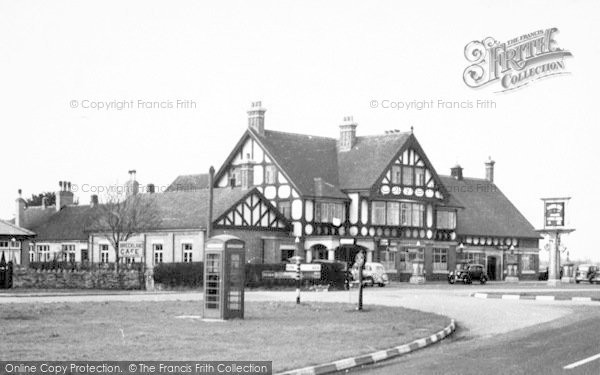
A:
224,278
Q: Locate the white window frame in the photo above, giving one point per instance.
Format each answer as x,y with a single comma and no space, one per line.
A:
440,259
104,249
187,255
157,254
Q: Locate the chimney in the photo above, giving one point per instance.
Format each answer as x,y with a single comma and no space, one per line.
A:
247,175
347,134
132,187
64,196
211,182
489,169
456,172
318,187
20,212
94,200
150,188
256,118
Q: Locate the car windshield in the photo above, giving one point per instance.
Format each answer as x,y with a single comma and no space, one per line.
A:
378,268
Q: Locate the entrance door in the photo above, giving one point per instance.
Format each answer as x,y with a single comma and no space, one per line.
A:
491,268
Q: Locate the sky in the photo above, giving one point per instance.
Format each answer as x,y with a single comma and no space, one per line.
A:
310,63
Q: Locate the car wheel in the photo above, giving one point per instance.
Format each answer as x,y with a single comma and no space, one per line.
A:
451,280
381,285
369,281
576,281
483,280
591,282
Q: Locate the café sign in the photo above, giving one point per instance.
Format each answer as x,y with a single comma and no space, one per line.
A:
131,249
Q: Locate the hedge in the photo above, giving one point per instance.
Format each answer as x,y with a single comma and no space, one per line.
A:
55,265
179,274
191,275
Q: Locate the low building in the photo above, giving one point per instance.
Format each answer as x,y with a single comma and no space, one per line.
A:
14,241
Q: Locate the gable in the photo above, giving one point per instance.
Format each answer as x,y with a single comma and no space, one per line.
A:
410,175
252,212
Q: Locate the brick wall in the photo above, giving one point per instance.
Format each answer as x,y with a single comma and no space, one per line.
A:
62,279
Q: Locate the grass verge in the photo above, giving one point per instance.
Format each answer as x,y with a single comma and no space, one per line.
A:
289,335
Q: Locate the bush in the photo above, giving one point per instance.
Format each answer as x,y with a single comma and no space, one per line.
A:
180,274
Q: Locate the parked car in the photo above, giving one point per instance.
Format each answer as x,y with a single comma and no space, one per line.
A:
585,272
373,273
466,273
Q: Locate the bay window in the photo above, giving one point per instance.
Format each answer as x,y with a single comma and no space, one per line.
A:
325,212
446,220
393,213
378,213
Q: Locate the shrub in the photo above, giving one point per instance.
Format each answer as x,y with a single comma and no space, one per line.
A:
180,274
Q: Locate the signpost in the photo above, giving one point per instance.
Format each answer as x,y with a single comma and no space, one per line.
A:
555,224
295,267
360,261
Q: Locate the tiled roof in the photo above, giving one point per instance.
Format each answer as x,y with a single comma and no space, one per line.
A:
360,167
189,182
67,224
487,211
304,158
9,229
37,215
189,209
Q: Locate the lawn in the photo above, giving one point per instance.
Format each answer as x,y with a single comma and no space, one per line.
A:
289,335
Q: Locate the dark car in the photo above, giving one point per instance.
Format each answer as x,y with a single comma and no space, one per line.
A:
586,272
466,273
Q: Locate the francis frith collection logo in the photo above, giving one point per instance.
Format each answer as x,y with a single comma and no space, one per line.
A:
514,63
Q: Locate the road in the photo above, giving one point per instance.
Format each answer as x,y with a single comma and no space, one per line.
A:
544,349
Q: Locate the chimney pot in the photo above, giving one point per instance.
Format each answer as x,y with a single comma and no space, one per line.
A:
94,200
150,188
489,169
256,118
457,172
347,134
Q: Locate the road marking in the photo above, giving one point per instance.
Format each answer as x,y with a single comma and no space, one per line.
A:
582,362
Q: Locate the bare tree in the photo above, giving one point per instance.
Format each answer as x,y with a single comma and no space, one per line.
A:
120,218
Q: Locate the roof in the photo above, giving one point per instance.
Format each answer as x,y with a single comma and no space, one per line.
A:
360,167
189,182
487,211
304,158
37,215
9,229
189,209
67,224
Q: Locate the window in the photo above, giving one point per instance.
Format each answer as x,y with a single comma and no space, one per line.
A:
157,249
270,174
378,213
419,177
31,256
388,258
440,259
477,258
285,208
409,256
3,244
103,253
84,255
407,176
43,253
446,219
393,213
68,253
325,212
235,178
396,174
527,262
411,214
187,252
417,214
